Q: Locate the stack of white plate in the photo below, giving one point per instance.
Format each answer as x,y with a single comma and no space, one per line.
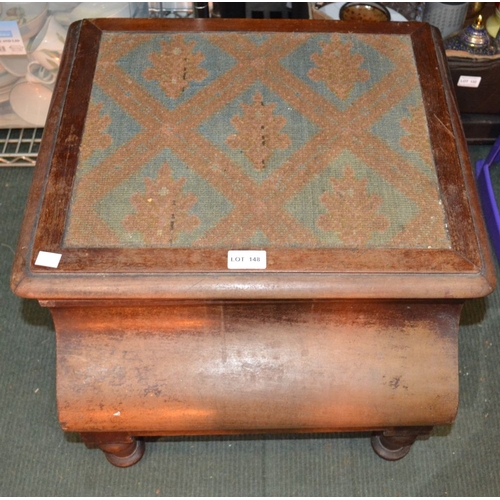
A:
23,102
30,17
7,81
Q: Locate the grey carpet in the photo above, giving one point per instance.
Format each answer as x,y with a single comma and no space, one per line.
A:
38,459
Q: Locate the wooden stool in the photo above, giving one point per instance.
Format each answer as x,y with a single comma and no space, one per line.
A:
245,226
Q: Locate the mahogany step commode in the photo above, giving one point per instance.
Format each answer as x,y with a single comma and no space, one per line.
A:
253,226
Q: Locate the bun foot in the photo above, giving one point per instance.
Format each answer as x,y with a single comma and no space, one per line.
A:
121,450
396,444
387,449
128,455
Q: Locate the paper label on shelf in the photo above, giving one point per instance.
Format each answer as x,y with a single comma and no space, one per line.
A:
469,81
246,259
11,42
48,259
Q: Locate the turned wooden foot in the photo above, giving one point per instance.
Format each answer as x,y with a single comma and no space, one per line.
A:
120,449
396,443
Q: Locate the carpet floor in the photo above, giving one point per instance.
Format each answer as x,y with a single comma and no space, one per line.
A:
38,459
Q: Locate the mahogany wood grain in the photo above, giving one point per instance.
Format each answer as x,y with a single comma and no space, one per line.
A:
165,341
236,367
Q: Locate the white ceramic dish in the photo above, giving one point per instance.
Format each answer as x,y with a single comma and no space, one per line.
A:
6,79
30,16
15,65
9,119
333,9
5,92
94,9
62,6
31,101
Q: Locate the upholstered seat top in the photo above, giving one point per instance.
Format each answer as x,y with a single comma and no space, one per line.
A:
256,140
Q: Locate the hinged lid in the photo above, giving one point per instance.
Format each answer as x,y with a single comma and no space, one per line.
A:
334,148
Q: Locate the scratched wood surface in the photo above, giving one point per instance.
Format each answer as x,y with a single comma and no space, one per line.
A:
235,367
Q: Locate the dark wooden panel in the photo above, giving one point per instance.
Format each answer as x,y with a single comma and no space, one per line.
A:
228,367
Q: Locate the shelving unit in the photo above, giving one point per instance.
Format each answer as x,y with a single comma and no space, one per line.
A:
19,147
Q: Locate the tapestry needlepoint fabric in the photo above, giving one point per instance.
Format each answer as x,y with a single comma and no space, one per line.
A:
236,140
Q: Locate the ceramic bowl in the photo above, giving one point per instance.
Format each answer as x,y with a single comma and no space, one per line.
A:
30,16
31,101
333,10
15,65
364,12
